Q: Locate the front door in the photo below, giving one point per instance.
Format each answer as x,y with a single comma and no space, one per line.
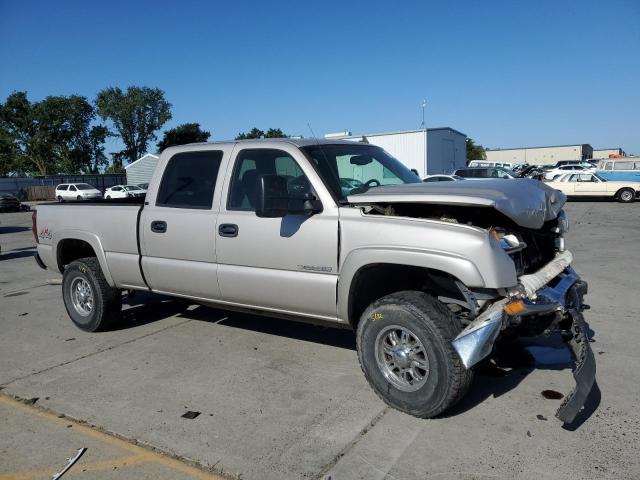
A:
287,264
178,230
587,185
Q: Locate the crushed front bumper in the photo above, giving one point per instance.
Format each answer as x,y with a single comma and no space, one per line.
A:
555,288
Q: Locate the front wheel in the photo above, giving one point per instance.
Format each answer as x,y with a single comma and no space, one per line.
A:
90,302
626,195
79,198
404,348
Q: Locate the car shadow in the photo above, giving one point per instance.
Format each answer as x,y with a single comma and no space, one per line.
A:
511,362
147,307
13,229
331,336
13,254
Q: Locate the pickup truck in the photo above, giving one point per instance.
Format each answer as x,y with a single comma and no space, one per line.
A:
429,276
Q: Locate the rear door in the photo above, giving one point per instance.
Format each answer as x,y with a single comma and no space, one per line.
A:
178,226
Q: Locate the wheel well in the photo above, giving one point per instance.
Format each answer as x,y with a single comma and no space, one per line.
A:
377,280
72,249
622,190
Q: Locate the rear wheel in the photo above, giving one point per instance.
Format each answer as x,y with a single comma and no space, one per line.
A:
90,302
404,348
108,197
626,195
60,200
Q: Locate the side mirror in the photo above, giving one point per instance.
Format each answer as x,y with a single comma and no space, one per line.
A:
415,172
274,199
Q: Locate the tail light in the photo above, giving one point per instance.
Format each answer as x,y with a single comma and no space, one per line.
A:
34,227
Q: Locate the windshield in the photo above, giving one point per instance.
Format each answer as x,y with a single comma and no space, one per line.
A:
350,169
84,186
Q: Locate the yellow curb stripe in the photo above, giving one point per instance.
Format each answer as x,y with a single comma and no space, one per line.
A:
138,454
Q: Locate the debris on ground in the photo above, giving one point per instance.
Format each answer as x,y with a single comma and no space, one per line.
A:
190,415
551,395
70,462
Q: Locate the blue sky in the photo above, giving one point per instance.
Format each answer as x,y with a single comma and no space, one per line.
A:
507,73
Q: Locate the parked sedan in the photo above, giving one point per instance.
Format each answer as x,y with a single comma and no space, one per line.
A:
442,178
124,191
593,185
77,191
555,172
485,173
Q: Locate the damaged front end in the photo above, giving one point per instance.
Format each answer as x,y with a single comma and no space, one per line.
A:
550,299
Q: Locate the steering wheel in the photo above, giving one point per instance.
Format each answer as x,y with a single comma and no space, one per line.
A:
372,183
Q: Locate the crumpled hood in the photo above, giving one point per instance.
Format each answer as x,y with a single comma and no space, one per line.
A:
527,202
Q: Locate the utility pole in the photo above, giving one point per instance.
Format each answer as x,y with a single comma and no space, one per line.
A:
424,105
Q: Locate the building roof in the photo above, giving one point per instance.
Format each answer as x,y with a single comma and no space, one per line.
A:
142,158
531,148
379,134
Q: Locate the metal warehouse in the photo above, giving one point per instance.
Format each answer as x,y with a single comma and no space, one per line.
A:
608,153
429,151
142,169
541,155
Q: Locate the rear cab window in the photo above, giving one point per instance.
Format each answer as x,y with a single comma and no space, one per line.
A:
189,180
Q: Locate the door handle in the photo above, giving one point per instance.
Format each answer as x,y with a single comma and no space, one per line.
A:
158,226
228,230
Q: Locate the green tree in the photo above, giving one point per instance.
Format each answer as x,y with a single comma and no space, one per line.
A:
257,133
254,133
475,152
183,134
136,115
275,133
55,135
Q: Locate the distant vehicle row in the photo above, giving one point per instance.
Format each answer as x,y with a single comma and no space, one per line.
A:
83,191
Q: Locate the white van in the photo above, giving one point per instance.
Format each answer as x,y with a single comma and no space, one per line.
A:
77,191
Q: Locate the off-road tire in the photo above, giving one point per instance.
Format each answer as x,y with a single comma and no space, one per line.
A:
626,195
435,326
107,301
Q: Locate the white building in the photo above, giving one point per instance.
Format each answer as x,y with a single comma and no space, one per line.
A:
607,152
541,155
429,151
142,169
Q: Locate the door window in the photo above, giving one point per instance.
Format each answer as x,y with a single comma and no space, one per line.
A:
72,188
189,180
251,164
63,187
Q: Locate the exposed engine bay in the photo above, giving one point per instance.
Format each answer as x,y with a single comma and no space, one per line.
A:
530,249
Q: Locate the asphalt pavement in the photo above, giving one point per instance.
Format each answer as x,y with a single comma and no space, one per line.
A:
280,400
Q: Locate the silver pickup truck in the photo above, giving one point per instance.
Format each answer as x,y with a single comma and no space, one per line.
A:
429,276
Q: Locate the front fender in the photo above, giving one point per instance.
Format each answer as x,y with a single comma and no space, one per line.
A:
460,267
91,239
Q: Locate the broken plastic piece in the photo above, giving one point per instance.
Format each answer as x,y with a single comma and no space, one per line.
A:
70,462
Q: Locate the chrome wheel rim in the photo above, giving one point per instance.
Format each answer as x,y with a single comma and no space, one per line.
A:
402,358
626,196
81,296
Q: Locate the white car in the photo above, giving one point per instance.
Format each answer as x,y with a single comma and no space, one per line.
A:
124,191
593,185
77,191
442,178
554,172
